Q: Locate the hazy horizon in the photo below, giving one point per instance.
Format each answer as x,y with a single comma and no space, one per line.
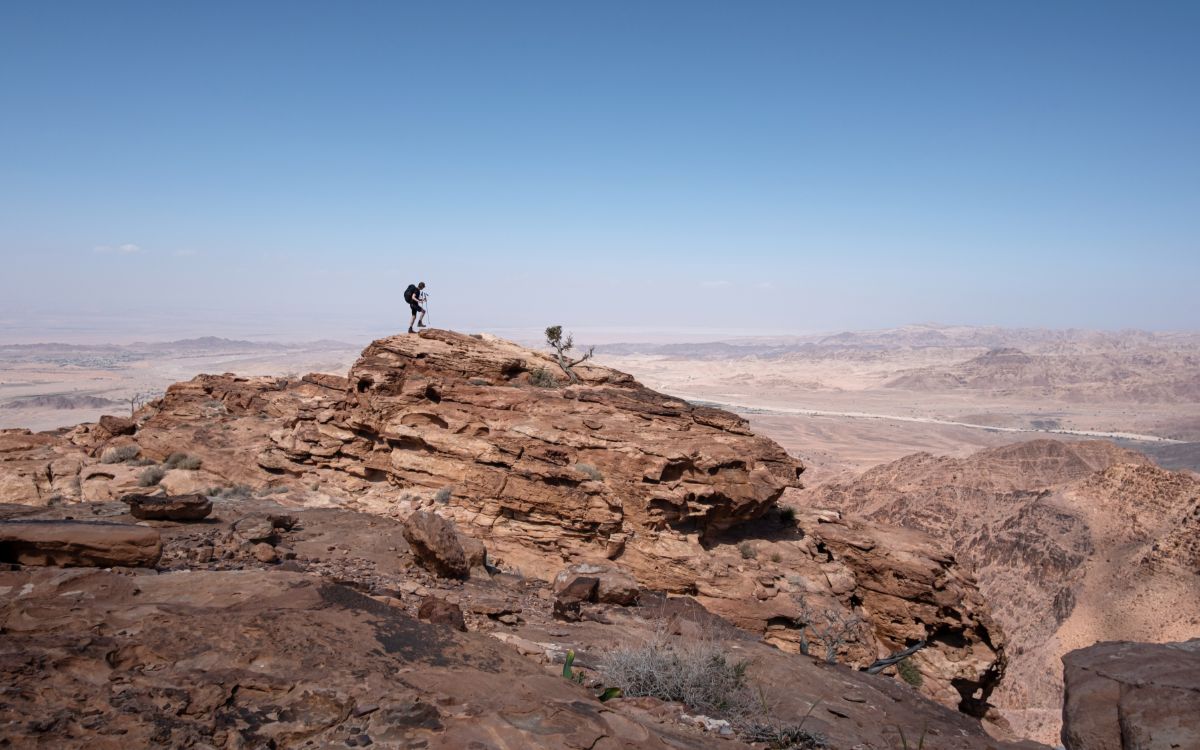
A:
130,331
783,168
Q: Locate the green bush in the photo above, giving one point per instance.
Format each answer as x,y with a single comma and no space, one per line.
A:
909,673
747,550
151,476
443,495
787,515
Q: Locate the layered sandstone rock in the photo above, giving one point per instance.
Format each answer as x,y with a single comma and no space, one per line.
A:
39,469
546,474
879,589
78,543
1132,696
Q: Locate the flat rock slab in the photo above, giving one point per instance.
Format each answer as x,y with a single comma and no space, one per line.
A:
259,659
78,544
167,508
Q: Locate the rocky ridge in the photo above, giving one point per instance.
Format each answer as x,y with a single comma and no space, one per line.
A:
682,497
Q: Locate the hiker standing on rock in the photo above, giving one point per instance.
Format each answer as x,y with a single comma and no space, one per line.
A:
414,296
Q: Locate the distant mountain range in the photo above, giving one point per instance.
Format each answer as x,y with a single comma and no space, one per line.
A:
213,344
1041,340
60,401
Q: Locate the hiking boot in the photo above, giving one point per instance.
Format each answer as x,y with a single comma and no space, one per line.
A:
410,330
421,325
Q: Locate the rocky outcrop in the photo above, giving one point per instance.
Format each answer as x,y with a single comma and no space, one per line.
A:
1132,696
451,428
39,469
1072,543
843,590
78,543
578,471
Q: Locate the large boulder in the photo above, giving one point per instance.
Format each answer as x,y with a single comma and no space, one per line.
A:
168,508
435,544
613,585
78,543
115,426
1132,696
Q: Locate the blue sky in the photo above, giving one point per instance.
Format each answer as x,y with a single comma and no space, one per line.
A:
768,166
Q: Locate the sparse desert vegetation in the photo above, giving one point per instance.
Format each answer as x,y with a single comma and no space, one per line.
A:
119,454
700,674
591,472
151,476
182,461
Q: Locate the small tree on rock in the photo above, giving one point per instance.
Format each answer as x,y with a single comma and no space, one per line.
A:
561,346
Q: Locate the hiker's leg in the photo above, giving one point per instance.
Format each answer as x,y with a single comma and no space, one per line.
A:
412,322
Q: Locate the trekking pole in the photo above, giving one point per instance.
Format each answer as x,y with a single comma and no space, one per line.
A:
425,299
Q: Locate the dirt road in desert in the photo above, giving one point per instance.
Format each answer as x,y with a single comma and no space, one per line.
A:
759,409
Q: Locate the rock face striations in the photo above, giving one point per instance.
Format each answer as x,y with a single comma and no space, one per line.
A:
1072,543
481,433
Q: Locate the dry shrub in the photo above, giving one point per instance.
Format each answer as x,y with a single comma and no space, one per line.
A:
182,461
591,472
119,454
695,672
543,378
151,476
698,673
